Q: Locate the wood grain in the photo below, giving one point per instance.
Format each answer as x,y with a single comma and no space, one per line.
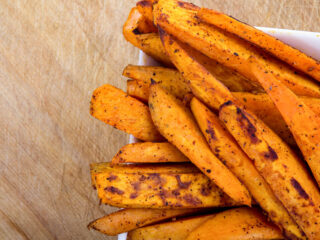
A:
53,54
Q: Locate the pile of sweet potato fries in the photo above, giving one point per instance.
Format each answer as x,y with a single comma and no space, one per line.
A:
229,130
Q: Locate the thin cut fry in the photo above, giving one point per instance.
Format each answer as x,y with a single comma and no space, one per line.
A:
149,152
175,230
131,218
286,53
149,43
236,224
227,150
177,124
278,164
156,186
302,121
114,107
229,50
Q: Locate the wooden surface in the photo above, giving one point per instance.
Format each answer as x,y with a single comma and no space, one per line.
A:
53,54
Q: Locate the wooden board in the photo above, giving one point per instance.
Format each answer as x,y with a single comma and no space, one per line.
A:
53,54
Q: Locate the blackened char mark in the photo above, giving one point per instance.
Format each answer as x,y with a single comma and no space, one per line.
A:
271,154
247,126
182,185
206,189
192,200
134,195
136,186
114,190
144,3
239,20
299,189
156,177
189,6
136,31
112,177
210,130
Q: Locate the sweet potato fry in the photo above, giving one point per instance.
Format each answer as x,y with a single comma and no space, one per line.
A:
114,107
149,43
263,107
168,78
302,121
175,230
149,152
280,167
227,150
238,223
286,53
202,83
229,50
157,186
131,218
145,8
177,124
138,89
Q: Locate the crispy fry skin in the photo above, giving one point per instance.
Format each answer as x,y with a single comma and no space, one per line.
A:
138,89
149,152
145,8
194,67
131,218
227,150
302,121
174,82
203,84
236,224
280,167
145,26
226,48
114,107
286,53
177,124
149,43
175,230
168,78
263,107
157,186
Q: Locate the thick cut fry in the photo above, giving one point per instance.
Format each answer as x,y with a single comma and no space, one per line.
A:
145,26
149,152
226,48
176,230
149,43
177,124
286,53
145,8
203,84
114,107
227,150
138,89
168,78
131,218
280,167
236,224
302,121
157,186
263,107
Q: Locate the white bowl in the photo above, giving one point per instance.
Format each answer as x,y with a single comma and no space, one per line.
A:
307,42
